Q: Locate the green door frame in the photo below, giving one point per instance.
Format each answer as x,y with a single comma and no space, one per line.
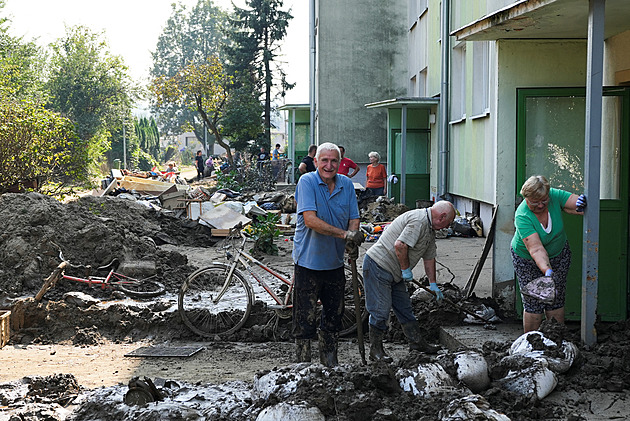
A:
614,267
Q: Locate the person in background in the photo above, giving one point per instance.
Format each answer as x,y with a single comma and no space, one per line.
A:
376,176
389,262
262,158
199,164
327,224
170,167
540,246
275,161
346,164
307,164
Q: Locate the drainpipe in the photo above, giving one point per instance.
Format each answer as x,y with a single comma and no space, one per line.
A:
444,102
312,70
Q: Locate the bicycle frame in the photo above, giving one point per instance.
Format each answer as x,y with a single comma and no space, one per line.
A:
244,258
97,280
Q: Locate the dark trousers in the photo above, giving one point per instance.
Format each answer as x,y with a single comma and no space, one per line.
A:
310,286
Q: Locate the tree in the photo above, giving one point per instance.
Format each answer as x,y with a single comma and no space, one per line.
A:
91,87
34,149
255,40
202,88
186,39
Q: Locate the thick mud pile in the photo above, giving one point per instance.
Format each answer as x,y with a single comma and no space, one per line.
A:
90,231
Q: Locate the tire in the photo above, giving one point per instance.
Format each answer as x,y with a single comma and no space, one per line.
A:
349,321
207,318
145,288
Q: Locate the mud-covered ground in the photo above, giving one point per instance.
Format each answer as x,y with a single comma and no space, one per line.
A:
96,230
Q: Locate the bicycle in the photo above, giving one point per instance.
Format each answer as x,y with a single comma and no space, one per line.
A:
132,287
217,300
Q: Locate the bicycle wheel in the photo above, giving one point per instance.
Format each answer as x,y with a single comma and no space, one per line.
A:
349,321
208,307
139,288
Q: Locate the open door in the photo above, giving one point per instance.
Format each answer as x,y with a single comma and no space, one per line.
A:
550,142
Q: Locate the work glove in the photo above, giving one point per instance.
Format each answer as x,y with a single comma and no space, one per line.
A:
353,250
580,203
407,275
355,237
548,272
438,292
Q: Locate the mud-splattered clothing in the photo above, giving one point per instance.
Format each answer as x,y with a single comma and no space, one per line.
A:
318,258
381,267
327,286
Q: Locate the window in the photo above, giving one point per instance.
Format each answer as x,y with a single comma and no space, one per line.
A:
481,78
458,83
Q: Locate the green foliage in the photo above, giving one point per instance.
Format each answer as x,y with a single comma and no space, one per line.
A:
34,146
231,180
144,161
203,88
188,38
263,231
92,88
256,32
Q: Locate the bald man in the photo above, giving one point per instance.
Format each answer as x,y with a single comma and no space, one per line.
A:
409,238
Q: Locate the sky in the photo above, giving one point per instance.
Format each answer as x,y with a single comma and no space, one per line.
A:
132,28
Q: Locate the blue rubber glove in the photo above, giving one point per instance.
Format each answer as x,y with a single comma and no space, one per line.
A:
438,292
580,203
548,272
407,275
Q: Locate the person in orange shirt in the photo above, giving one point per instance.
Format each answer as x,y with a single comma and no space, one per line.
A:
376,176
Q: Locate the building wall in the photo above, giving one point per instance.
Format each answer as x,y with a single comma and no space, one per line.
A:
617,59
361,58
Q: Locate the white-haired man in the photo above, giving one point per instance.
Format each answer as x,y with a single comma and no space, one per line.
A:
328,223
409,238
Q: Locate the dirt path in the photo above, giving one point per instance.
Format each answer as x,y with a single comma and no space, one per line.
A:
106,365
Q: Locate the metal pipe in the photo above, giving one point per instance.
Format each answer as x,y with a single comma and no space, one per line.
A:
444,102
312,57
592,152
403,154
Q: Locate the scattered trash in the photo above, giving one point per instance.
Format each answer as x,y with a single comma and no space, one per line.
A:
473,407
536,346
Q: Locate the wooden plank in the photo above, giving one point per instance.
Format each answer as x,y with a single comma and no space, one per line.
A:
474,276
216,232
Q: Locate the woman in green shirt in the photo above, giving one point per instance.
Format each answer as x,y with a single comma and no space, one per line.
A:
540,246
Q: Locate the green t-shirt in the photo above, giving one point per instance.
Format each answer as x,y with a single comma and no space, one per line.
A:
526,224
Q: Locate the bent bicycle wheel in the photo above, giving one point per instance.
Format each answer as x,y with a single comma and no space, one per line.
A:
211,308
140,288
349,321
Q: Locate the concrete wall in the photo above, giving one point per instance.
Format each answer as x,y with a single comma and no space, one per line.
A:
361,58
617,59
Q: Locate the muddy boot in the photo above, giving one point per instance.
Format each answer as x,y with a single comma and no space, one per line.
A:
416,341
328,348
376,345
303,350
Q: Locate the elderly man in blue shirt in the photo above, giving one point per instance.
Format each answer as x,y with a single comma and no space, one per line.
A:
328,224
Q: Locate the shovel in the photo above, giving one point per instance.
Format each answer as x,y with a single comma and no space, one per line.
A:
357,309
451,303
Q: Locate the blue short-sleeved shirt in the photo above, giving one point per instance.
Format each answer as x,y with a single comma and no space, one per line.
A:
311,249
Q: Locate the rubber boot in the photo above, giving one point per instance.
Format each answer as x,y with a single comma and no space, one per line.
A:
377,353
416,341
303,350
328,348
